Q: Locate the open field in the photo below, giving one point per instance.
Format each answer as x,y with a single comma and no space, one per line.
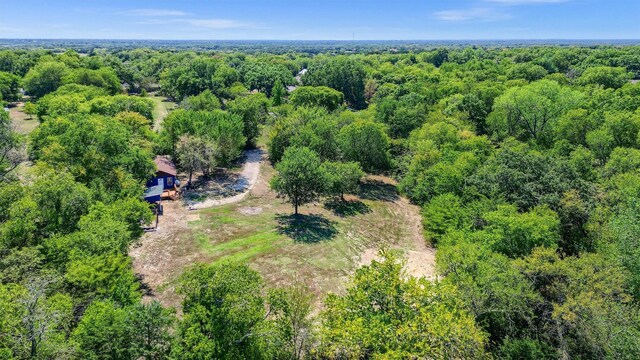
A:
163,107
321,247
24,123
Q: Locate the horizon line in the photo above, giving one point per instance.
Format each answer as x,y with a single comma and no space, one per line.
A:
341,40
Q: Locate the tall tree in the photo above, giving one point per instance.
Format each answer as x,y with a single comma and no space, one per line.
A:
300,178
532,111
341,73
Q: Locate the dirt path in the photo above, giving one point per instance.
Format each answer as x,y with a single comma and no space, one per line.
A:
163,106
421,258
159,253
246,181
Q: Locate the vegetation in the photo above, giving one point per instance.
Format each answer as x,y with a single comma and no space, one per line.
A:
524,160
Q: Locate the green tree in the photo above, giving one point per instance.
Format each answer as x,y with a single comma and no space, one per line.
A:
300,178
342,178
317,96
609,77
33,322
11,146
9,86
387,314
262,76
108,331
532,111
515,234
105,78
443,213
223,309
290,314
278,93
205,101
190,156
341,73
44,78
30,109
253,111
366,143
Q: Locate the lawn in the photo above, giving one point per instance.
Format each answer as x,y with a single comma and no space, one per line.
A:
162,108
24,123
321,247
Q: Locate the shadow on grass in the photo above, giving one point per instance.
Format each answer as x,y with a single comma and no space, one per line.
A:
347,208
144,286
378,190
306,228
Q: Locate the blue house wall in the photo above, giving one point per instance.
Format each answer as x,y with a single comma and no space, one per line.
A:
168,180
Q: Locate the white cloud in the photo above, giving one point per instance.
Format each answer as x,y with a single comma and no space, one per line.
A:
199,23
217,23
480,14
154,12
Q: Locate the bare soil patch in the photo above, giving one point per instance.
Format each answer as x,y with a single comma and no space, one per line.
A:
322,247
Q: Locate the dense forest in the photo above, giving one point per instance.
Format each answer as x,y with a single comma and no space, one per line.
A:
525,162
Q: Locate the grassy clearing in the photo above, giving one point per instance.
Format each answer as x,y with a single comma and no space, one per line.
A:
321,247
24,123
162,108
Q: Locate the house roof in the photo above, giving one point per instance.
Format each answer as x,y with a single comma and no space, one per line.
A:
165,165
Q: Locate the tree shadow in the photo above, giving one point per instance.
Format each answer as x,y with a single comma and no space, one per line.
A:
378,190
347,207
306,228
144,286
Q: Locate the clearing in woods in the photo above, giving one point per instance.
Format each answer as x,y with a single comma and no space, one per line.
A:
322,247
162,108
23,123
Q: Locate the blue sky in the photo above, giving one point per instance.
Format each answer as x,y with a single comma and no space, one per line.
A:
321,19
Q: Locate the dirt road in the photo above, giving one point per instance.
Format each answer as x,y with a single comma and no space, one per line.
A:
246,181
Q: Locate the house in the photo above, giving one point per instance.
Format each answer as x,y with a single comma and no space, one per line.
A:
165,183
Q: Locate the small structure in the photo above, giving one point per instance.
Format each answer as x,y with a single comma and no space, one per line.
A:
165,184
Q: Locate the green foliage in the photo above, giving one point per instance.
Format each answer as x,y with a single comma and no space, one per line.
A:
515,234
205,101
96,150
262,76
320,96
367,143
301,178
608,77
253,111
105,78
112,105
527,71
222,311
221,134
104,277
108,331
33,323
624,230
305,127
341,73
497,294
443,213
278,93
9,86
11,146
342,178
532,111
386,314
194,76
588,312
44,78
523,177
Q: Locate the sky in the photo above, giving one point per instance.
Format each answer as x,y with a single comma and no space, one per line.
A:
320,19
